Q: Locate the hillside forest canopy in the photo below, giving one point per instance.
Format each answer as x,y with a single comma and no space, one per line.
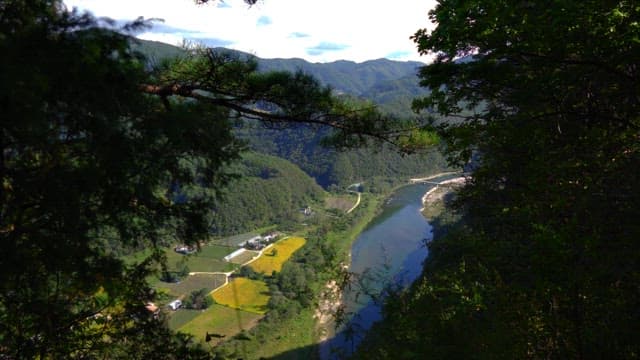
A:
544,259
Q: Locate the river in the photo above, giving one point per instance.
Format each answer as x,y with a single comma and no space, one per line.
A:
389,252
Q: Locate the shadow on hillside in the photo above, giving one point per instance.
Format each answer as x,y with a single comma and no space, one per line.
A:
303,353
314,352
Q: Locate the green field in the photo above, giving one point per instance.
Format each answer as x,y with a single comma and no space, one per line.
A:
218,319
268,263
244,294
208,259
178,318
236,240
290,339
244,257
192,283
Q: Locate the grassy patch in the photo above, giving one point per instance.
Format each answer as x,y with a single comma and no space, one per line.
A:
192,283
244,257
267,263
341,202
208,259
220,320
181,317
293,338
244,294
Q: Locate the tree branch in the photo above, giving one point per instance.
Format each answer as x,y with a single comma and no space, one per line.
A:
334,120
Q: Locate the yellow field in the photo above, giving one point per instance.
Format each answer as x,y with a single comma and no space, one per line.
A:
244,294
267,263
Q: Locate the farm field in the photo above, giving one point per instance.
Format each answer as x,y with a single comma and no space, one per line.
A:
221,320
236,240
244,257
178,318
268,263
192,283
208,259
244,294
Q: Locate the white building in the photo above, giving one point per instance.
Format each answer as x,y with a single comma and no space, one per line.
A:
175,304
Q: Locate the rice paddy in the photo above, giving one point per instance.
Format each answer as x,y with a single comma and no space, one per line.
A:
244,294
275,256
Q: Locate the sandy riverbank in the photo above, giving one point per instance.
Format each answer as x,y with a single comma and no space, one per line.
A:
328,307
438,192
416,180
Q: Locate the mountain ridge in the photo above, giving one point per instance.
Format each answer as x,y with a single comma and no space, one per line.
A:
354,78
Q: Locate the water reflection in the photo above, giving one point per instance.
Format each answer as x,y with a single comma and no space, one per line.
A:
389,253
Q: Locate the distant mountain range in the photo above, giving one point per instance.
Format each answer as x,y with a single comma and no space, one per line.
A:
390,84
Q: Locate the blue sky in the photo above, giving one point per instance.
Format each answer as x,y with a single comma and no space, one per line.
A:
317,31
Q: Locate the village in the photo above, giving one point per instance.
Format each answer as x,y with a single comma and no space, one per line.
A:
246,249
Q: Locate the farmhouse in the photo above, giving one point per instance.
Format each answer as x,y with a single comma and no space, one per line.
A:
175,305
271,236
253,240
254,244
184,249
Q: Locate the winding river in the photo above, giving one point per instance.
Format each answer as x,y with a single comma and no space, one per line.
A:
389,252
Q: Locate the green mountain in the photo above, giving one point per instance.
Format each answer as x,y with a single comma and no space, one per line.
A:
395,96
269,190
392,85
383,81
347,76
156,51
378,168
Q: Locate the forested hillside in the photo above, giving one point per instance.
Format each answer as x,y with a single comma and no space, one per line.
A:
544,262
390,85
378,168
347,76
364,79
269,190
396,96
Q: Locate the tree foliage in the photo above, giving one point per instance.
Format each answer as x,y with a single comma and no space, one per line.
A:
545,261
97,150
268,190
303,146
198,300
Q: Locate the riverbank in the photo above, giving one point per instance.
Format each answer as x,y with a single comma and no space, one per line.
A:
296,335
299,335
331,302
431,177
387,253
438,192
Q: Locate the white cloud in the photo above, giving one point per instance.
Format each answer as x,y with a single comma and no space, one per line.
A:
363,30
